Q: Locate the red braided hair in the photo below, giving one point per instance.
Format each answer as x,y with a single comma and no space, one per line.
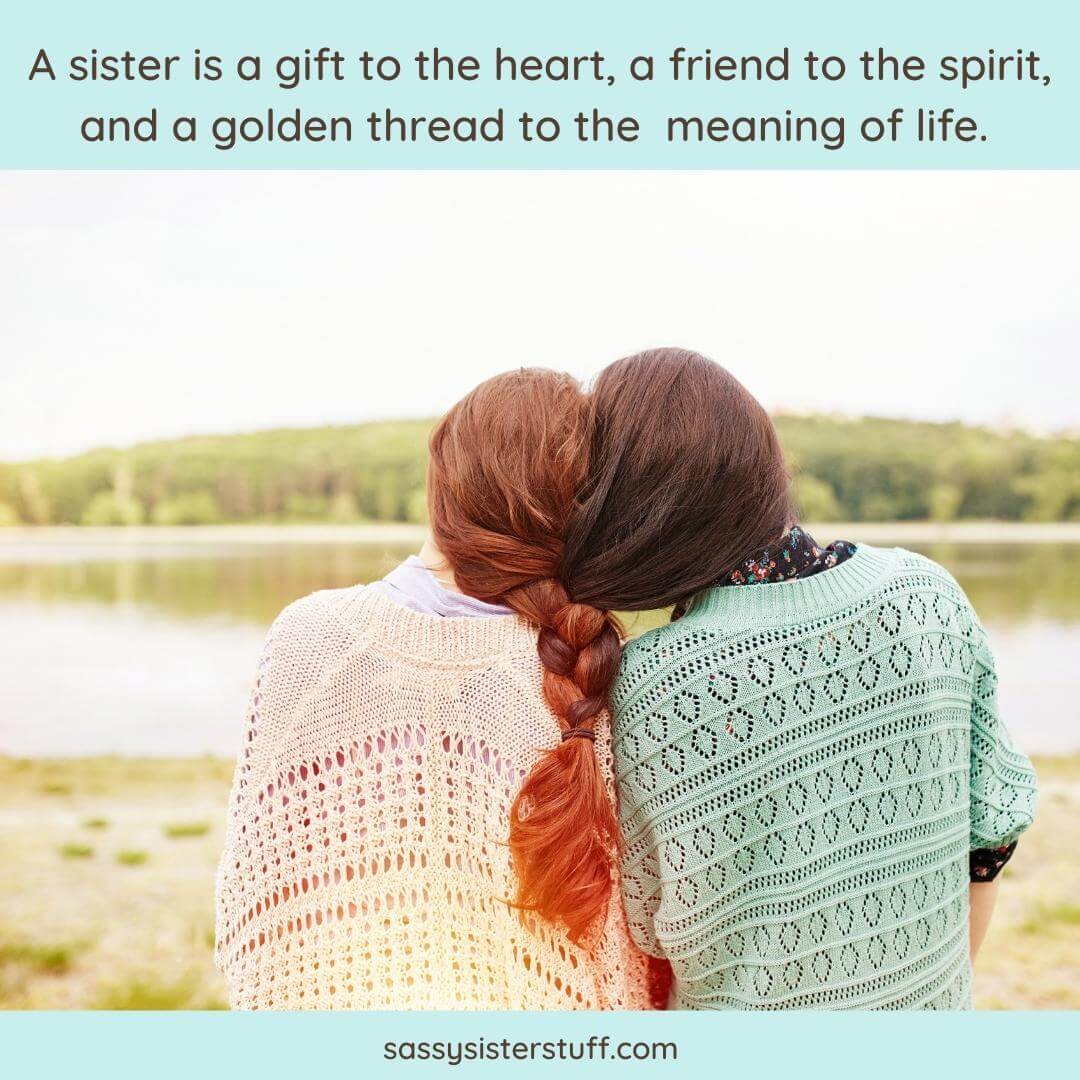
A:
506,465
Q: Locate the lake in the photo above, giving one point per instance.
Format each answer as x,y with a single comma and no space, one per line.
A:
148,647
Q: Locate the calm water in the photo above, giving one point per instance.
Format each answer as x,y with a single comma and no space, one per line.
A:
121,648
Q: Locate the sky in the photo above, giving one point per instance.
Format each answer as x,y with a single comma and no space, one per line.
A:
136,306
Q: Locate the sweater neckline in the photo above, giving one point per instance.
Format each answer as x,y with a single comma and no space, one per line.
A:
767,600
452,638
414,585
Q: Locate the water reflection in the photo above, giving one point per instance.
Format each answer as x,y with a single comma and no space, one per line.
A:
247,582
148,648
1006,582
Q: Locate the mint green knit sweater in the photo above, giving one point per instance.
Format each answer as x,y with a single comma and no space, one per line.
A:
803,768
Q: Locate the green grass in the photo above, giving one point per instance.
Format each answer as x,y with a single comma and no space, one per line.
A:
184,829
62,946
1066,768
131,858
112,775
75,851
49,959
95,823
1045,918
147,994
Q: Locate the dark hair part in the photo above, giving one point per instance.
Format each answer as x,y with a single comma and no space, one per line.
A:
505,465
686,478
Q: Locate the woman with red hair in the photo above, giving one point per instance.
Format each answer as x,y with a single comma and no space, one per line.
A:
401,733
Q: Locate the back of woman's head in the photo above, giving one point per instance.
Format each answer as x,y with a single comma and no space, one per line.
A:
686,478
505,466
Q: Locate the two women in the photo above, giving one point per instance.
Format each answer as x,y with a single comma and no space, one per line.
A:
802,763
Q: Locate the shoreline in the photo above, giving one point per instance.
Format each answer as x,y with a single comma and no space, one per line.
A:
900,532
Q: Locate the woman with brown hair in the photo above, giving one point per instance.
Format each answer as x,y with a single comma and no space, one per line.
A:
400,733
816,790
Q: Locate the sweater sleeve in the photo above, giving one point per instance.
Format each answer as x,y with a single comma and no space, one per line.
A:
298,647
1003,784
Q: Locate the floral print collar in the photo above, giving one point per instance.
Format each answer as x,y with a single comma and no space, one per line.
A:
795,556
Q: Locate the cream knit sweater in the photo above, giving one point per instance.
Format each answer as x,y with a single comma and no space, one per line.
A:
365,861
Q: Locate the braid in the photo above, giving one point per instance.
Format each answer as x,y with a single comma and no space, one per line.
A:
506,465
563,831
578,669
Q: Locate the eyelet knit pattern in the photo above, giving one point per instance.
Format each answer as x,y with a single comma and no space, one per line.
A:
365,863
803,768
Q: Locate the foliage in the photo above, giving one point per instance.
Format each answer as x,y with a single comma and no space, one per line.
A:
108,508
816,498
901,470
855,470
188,508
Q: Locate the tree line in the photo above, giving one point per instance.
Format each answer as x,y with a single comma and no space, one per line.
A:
855,470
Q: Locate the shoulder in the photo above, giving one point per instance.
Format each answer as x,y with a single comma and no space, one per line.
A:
889,574
311,633
918,574
315,613
644,650
912,569
906,563
655,653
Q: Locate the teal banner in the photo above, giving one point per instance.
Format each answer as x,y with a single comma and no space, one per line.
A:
690,84
810,1046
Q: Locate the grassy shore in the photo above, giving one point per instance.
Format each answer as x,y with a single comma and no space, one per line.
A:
109,878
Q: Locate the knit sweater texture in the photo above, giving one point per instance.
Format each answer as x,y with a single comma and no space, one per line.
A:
803,768
365,861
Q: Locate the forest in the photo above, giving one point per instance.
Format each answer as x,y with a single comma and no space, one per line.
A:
862,469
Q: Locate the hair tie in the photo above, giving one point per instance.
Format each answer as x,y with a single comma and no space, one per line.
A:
579,732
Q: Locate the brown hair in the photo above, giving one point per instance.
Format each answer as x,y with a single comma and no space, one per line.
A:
686,478
506,463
